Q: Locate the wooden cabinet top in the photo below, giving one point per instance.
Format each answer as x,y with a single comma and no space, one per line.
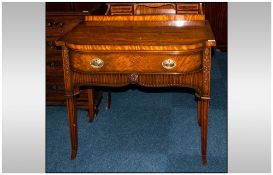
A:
172,32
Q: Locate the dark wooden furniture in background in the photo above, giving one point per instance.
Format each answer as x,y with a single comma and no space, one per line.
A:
58,24
216,14
61,17
149,50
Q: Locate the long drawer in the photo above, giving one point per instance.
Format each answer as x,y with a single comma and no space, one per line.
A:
137,62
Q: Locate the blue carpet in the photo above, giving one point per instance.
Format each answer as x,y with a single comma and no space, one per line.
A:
144,131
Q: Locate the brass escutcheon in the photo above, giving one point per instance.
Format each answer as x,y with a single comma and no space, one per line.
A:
168,63
96,63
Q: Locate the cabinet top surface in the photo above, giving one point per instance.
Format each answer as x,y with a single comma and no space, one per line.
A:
118,32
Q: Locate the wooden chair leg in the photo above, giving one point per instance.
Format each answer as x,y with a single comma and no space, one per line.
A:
72,119
109,99
204,128
91,105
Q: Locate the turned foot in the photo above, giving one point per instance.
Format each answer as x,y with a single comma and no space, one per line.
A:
205,161
73,154
90,120
107,109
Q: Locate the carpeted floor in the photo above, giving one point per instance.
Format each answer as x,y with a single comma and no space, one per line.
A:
146,130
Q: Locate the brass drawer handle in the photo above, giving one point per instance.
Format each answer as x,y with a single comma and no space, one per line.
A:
55,24
96,63
168,63
51,44
49,24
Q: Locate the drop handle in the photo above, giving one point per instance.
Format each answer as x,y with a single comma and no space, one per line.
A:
49,24
96,63
52,64
60,24
168,63
55,24
51,44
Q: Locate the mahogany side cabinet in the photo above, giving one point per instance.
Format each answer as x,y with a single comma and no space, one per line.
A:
148,50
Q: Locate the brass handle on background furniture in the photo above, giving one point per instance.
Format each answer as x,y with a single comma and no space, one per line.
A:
51,44
96,63
168,63
60,24
49,24
55,24
52,64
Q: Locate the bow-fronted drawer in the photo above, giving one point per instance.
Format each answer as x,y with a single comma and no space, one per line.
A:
139,62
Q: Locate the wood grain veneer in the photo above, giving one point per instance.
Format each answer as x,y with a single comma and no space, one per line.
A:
139,62
215,12
149,18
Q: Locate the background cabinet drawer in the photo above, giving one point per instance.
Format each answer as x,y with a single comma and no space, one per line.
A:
186,12
59,21
122,8
188,6
58,26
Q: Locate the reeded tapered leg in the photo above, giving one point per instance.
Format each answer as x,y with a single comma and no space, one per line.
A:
204,129
91,105
109,96
72,119
199,107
